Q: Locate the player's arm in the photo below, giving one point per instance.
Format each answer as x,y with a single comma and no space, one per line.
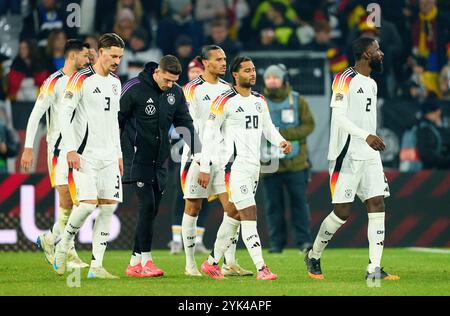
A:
117,138
339,104
43,102
69,103
211,137
191,101
182,118
272,134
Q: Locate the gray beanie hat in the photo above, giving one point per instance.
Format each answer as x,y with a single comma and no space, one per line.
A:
178,5
275,70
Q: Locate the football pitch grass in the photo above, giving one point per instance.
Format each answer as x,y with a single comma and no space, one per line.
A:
422,273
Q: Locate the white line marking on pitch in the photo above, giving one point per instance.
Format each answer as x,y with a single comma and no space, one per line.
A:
431,250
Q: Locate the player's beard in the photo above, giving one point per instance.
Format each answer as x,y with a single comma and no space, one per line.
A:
376,65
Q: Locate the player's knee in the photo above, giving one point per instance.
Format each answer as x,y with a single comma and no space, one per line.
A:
376,205
342,211
232,212
192,207
65,203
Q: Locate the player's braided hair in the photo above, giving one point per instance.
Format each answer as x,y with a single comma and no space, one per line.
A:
236,65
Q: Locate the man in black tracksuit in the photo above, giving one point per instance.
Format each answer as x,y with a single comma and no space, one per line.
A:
149,105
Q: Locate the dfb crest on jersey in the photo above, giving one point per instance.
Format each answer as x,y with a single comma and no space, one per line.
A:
348,193
115,90
244,189
150,109
171,99
258,107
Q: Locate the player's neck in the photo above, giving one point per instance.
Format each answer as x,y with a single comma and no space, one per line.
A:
362,68
100,70
210,78
69,69
245,92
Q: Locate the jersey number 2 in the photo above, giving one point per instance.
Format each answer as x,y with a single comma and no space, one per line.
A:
108,103
369,103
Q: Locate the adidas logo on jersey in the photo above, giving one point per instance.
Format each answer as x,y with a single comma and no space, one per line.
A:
360,90
207,98
150,101
97,90
240,110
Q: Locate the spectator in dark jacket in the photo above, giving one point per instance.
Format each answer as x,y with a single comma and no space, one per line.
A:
179,22
9,144
433,139
42,19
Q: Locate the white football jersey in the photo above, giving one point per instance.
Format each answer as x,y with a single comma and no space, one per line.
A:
241,121
200,94
95,130
48,102
357,95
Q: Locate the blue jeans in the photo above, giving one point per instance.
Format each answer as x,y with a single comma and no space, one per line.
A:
295,184
13,5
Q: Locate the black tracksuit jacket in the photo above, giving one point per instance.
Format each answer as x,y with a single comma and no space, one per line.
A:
146,114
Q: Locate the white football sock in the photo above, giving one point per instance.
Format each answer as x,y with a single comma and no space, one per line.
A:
60,224
230,255
100,234
224,239
76,220
253,243
189,230
375,234
146,256
135,259
329,226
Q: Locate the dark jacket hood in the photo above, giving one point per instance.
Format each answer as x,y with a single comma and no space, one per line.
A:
146,75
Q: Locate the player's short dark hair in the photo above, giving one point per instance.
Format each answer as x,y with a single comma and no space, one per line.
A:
74,45
109,40
360,45
204,54
170,64
236,65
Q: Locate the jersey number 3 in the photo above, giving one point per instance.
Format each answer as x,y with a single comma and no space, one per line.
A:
108,103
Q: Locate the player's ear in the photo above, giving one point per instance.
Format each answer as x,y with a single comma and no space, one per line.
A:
366,55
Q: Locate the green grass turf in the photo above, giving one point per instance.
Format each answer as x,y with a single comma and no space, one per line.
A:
421,274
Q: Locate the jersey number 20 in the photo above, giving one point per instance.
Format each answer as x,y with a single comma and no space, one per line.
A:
251,121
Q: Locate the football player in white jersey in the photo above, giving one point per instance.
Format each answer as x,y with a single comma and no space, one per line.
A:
94,155
354,156
200,93
239,116
76,56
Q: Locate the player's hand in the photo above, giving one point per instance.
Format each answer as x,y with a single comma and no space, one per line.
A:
286,147
203,179
27,159
376,143
93,56
121,166
73,160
